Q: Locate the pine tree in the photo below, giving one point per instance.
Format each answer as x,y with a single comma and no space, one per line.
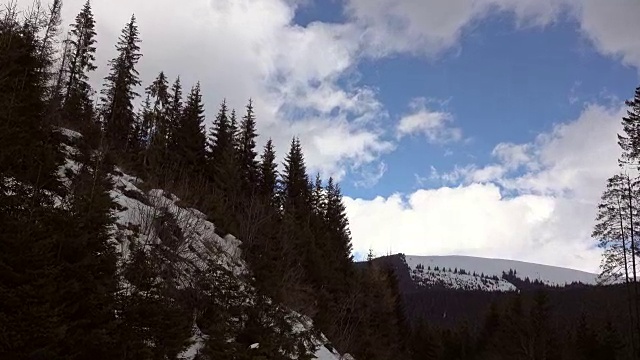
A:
247,145
32,225
336,216
78,107
175,104
630,141
224,170
189,140
47,24
220,136
119,92
268,175
615,231
89,264
158,91
233,129
295,182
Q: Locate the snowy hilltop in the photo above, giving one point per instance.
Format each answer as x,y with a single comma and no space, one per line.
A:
475,273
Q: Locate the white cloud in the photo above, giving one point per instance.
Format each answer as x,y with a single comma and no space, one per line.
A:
429,27
434,125
371,175
245,49
612,26
548,220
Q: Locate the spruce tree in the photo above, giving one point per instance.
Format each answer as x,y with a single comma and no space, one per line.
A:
268,174
32,225
88,260
223,169
80,57
247,153
295,181
630,141
119,92
189,140
220,136
158,91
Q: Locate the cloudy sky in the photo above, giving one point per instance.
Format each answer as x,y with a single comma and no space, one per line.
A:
477,127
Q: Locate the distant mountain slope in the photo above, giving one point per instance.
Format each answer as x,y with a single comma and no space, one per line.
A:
550,275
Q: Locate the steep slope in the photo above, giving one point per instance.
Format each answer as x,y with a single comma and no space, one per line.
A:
136,227
550,275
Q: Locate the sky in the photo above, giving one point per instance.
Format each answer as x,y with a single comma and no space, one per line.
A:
471,127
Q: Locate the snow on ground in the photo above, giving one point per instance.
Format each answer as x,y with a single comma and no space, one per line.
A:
135,216
451,280
551,275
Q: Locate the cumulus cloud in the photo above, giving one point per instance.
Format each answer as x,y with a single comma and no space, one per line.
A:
612,26
371,175
430,27
252,49
548,219
434,125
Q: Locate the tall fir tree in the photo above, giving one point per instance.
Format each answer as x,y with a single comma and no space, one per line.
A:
119,93
629,142
158,91
295,181
223,169
89,261
80,57
268,174
246,148
32,224
189,140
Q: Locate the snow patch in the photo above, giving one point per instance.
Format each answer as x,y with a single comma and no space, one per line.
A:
550,275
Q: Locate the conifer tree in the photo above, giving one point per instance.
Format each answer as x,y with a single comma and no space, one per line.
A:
295,182
89,264
158,91
189,140
32,224
630,141
233,129
175,104
617,236
47,24
78,107
140,138
223,168
247,145
220,136
119,92
338,223
268,174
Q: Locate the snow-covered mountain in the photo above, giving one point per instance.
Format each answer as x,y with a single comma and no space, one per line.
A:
475,273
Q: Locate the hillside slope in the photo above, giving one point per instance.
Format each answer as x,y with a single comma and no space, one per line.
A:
136,227
550,275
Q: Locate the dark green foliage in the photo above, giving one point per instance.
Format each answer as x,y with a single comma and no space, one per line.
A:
79,61
268,175
630,141
246,150
117,101
88,259
189,140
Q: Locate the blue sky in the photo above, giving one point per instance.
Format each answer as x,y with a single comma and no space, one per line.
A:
473,127
500,83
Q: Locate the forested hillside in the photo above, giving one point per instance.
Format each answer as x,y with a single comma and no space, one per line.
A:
134,226
78,282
